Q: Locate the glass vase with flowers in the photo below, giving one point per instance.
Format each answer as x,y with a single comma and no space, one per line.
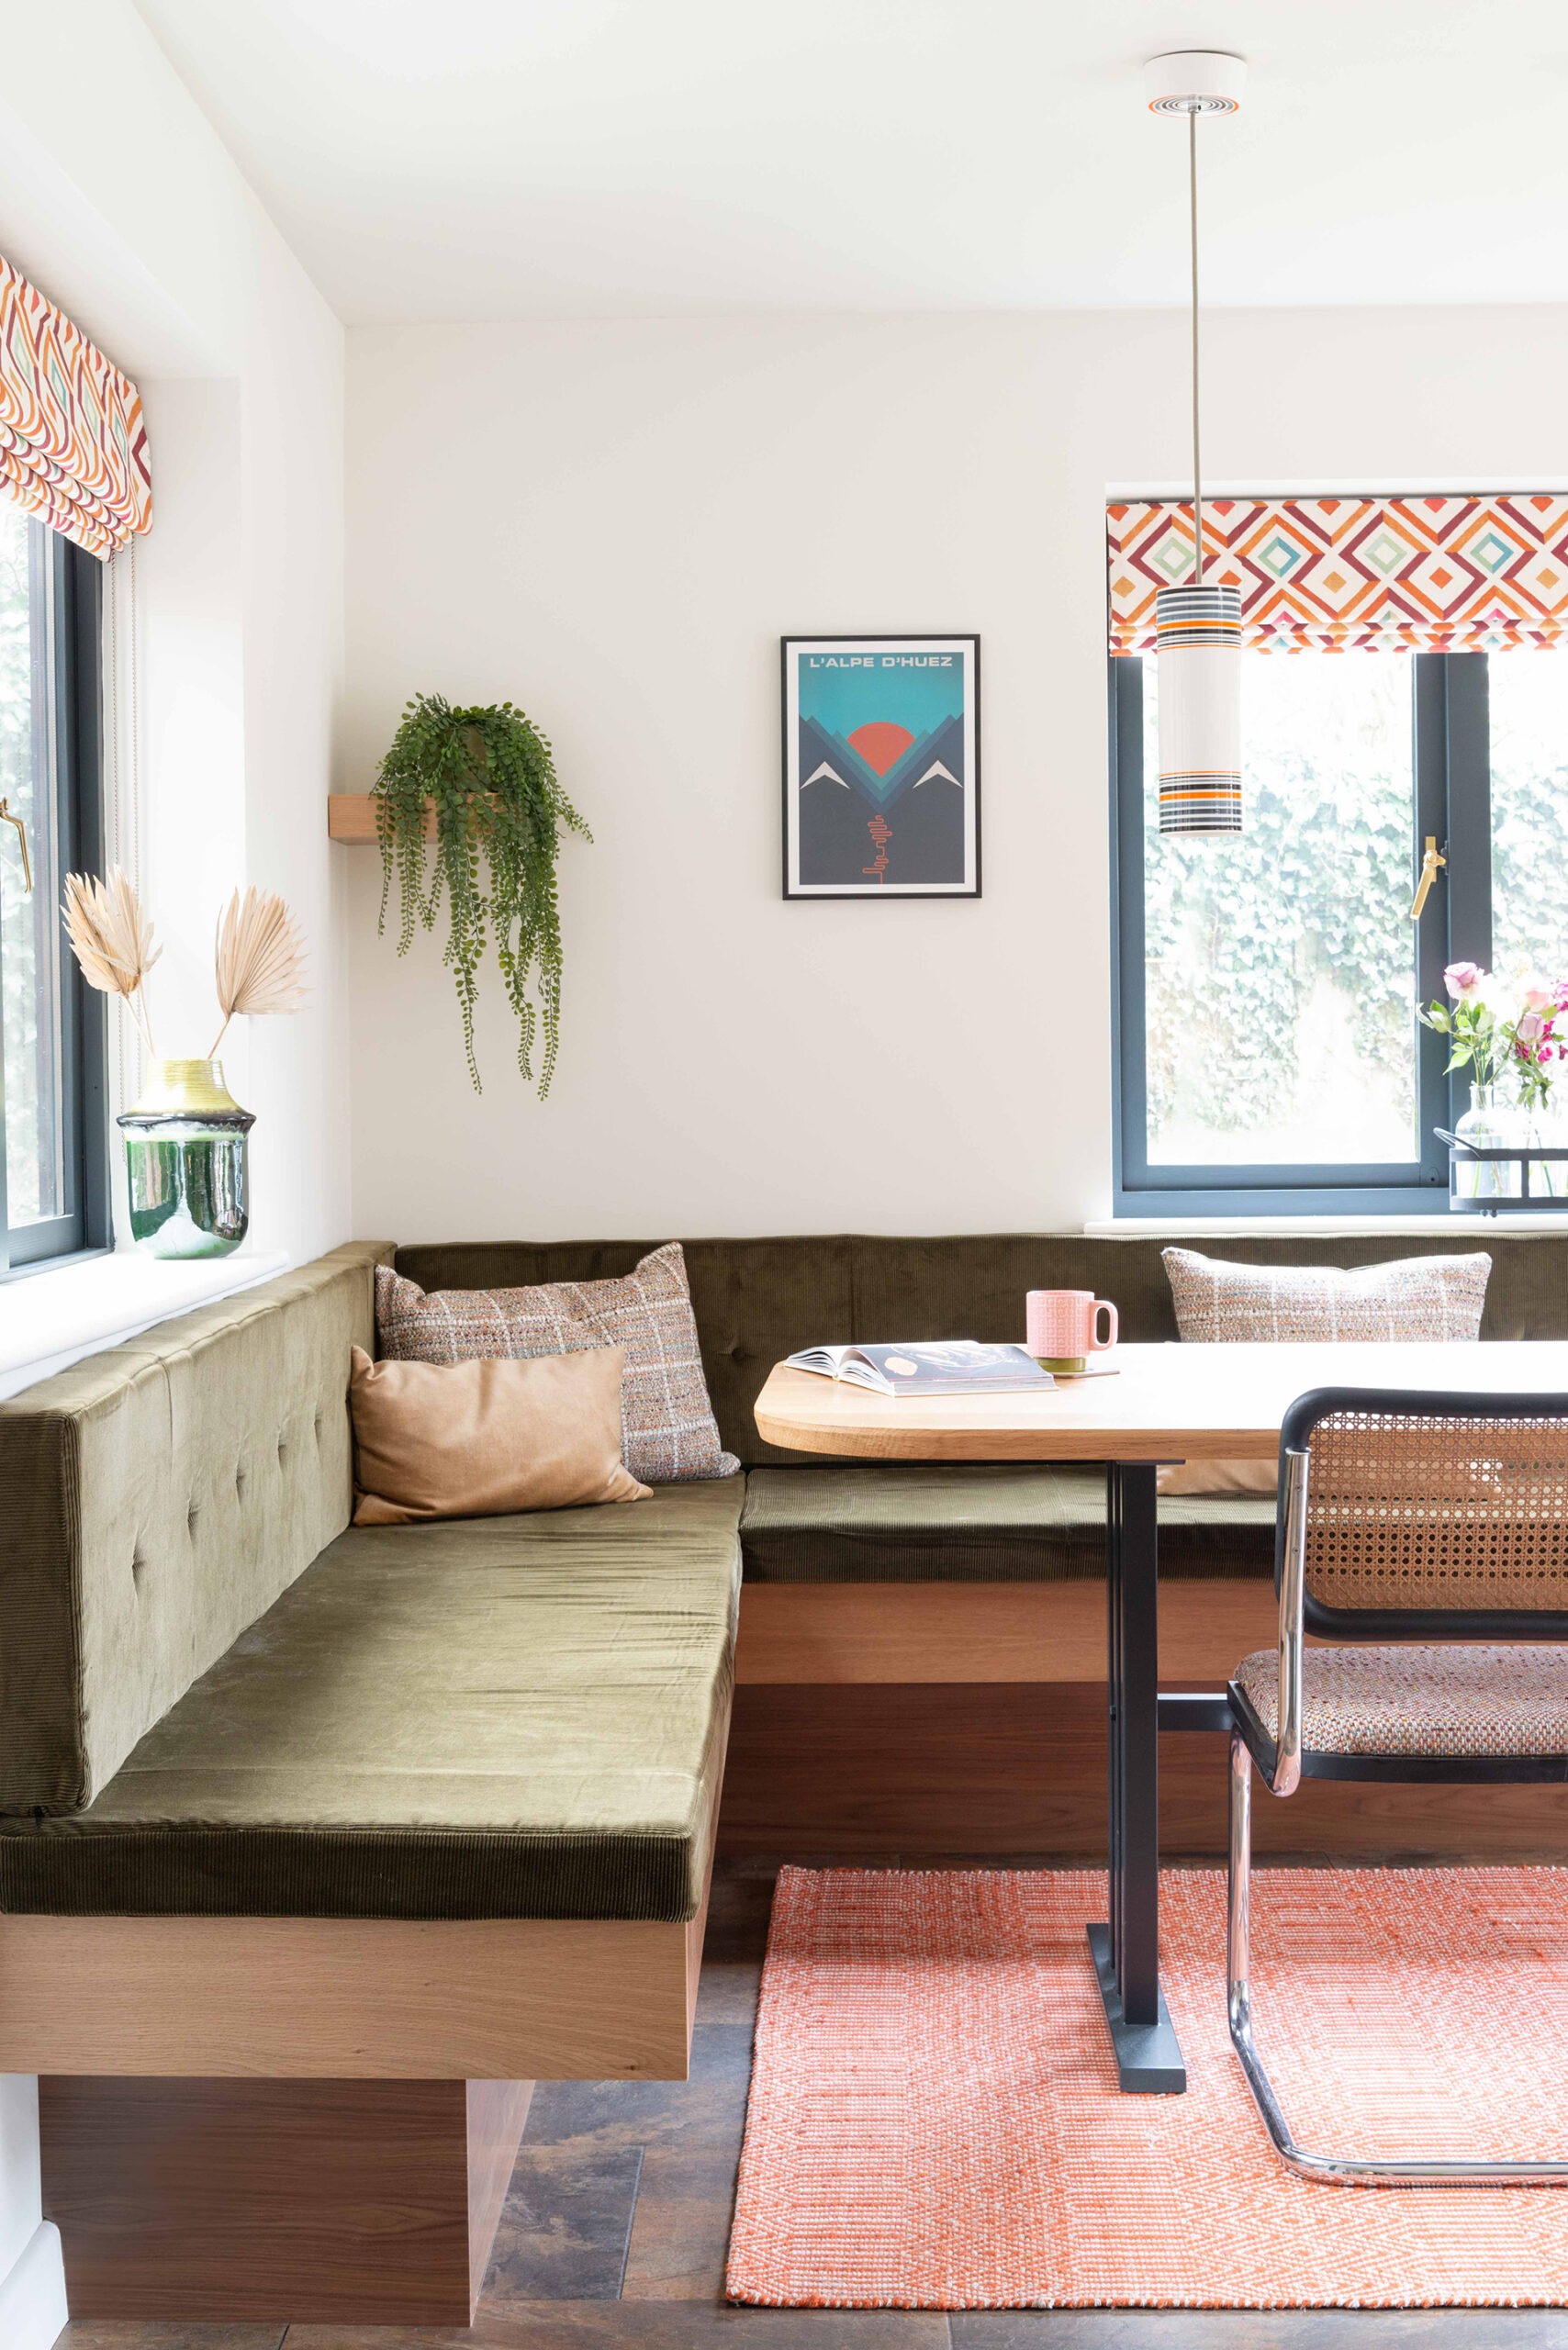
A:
1535,1052
1504,1031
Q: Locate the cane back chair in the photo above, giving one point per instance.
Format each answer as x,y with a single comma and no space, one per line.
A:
1436,1520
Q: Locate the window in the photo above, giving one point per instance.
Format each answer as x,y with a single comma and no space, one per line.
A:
1270,1057
52,1142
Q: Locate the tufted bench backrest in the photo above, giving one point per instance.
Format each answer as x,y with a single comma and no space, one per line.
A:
154,1500
758,1300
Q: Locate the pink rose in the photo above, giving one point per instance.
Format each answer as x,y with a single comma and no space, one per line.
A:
1529,1027
1538,999
1462,981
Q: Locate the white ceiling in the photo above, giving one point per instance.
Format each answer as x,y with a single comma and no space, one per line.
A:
495,158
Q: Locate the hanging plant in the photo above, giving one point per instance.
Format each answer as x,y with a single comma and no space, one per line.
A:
498,815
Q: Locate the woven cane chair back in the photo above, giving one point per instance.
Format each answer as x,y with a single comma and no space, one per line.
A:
1460,1512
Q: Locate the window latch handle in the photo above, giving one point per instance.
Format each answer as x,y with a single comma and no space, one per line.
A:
6,817
1429,865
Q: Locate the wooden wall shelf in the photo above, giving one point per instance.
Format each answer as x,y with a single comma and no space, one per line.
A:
351,818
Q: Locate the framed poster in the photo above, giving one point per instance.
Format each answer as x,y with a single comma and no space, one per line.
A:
882,766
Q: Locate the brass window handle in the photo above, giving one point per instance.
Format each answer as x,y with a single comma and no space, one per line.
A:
7,818
1429,865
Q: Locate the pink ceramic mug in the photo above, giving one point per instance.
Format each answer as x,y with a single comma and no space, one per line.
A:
1063,1327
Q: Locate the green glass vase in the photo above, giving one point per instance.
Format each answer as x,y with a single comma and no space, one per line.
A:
187,1162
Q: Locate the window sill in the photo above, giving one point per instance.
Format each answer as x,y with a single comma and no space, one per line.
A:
53,1317
1466,1227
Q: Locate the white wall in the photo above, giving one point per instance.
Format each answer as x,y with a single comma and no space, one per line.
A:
119,201
612,524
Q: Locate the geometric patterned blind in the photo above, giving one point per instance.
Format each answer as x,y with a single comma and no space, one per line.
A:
72,444
1336,575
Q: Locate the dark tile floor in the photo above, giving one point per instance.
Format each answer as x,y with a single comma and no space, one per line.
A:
615,2230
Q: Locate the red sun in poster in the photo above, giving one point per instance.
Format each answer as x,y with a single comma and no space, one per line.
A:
879,742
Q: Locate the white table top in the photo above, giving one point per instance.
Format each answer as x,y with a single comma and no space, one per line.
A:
1167,1402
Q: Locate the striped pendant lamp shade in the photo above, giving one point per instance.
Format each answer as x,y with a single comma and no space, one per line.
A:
1198,633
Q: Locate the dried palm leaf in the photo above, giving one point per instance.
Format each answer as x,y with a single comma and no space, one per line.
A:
112,939
260,956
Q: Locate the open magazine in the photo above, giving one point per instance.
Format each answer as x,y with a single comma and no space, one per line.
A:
948,1367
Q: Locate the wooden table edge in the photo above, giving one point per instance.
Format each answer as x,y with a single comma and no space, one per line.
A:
905,1436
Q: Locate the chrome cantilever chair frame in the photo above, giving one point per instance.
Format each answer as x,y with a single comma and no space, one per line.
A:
1283,1775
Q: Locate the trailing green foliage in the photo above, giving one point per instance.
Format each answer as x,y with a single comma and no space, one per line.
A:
499,814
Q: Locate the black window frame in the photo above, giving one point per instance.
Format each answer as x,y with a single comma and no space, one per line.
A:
1452,803
75,585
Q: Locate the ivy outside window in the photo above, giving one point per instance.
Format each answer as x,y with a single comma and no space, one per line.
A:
1270,1058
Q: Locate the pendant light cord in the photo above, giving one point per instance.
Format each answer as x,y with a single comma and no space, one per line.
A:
1197,459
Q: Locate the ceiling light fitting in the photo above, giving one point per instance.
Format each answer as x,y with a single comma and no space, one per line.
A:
1198,625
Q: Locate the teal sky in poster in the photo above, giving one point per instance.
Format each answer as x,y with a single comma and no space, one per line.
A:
841,698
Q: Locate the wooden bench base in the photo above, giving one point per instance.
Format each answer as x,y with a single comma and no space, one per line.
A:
881,1722
369,2202
987,1631
924,1771
341,1998
345,2154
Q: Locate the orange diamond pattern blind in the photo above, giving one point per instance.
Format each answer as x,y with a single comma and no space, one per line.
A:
72,444
1332,575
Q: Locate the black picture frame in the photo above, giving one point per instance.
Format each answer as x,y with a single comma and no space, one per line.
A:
943,858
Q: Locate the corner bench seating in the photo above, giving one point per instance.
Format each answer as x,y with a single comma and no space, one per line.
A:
281,1797
217,1699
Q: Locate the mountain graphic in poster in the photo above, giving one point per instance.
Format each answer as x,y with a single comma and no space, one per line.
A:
881,804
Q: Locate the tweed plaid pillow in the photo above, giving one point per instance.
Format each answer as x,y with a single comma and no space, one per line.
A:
1415,1297
669,1430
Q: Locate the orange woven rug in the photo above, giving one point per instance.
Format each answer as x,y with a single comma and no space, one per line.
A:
934,2121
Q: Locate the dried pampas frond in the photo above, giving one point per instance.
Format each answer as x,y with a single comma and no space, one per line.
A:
112,939
260,956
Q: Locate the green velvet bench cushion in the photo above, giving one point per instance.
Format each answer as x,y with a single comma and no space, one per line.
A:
500,1717
887,1522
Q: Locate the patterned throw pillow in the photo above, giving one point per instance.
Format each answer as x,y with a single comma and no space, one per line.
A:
1416,1297
667,1422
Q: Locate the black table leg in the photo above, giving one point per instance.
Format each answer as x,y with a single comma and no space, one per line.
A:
1127,1950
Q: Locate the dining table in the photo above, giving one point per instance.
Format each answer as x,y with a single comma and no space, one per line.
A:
1141,1407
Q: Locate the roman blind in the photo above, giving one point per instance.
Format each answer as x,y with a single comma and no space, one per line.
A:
1333,575
72,444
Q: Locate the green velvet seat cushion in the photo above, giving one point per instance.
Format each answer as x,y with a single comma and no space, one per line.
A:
896,1521
490,1718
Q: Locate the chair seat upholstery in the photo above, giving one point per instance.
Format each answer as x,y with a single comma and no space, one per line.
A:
514,1717
878,1521
1449,1702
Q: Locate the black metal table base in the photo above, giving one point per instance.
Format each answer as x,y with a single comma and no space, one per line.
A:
1126,1950
1148,2055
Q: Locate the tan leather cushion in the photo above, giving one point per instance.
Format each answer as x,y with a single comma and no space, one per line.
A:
1219,1477
480,1439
